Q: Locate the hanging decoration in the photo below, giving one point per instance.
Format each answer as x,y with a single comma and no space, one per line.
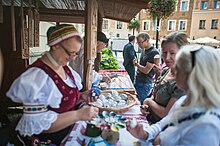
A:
161,9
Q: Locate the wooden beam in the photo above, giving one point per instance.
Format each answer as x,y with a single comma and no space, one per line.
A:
101,9
134,3
60,18
119,19
63,12
57,15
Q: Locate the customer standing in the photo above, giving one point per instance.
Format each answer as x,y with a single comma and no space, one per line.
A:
129,55
78,63
144,77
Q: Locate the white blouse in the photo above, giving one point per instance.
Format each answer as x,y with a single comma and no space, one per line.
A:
35,87
204,131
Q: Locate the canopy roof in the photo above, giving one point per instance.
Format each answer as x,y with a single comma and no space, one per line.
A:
122,10
206,40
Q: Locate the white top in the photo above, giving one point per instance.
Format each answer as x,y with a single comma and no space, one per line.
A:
196,132
203,131
35,87
154,129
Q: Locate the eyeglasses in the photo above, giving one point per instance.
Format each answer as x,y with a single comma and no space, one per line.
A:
193,55
72,54
140,43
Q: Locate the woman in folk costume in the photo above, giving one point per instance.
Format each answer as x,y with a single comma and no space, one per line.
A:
49,91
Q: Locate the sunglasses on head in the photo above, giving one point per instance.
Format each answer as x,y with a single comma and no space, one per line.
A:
193,55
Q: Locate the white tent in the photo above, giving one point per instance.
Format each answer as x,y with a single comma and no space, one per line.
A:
206,40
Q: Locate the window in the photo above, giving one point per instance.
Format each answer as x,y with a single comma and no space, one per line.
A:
105,24
202,24
155,26
117,35
204,5
184,5
146,25
214,24
119,25
216,4
182,25
171,25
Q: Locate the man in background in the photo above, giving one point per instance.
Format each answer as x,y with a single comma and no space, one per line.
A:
129,55
144,77
78,64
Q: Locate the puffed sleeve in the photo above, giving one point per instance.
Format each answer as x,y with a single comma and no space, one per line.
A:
34,87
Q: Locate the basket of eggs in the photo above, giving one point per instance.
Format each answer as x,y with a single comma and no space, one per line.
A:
116,101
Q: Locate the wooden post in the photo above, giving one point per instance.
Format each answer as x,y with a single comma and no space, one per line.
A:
30,26
1,12
22,25
13,26
90,40
36,25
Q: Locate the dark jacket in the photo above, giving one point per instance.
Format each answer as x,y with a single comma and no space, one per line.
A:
129,54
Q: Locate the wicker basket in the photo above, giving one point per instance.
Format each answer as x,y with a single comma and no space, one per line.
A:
132,100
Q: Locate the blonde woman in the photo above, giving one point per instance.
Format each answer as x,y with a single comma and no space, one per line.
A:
197,122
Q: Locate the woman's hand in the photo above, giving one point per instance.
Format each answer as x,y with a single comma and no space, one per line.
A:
87,113
138,131
144,109
156,141
157,70
86,96
106,78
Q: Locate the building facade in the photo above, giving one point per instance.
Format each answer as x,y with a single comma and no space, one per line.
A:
116,29
205,19
180,20
197,18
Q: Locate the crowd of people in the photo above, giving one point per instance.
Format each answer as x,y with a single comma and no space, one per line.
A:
182,104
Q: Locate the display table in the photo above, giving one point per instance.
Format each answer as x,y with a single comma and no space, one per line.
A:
77,135
121,82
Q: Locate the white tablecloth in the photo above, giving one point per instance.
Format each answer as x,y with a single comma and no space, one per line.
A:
77,135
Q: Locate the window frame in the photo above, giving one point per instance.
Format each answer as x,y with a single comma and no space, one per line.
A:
147,29
181,5
185,25
117,24
105,20
200,26
206,3
169,25
216,27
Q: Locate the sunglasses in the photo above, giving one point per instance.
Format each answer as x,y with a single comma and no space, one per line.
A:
71,54
193,55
